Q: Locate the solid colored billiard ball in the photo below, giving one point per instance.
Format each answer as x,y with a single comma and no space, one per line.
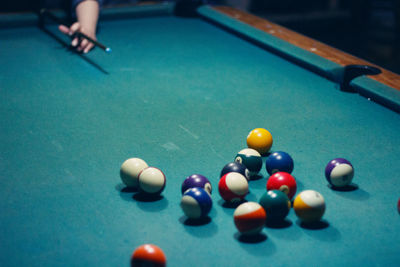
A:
151,181
276,204
260,139
309,206
148,255
398,205
339,172
249,218
196,203
130,170
196,180
251,159
233,187
284,182
279,162
235,167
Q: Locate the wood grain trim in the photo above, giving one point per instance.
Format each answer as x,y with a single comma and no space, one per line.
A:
386,77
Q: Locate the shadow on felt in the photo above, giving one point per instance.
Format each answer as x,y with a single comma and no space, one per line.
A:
142,197
230,205
194,222
347,188
250,239
319,225
281,224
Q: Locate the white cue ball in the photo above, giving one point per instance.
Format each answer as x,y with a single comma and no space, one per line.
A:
130,170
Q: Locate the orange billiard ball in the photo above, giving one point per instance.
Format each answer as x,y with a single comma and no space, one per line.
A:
260,139
148,255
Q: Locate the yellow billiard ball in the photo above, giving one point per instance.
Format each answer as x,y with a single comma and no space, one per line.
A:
309,206
260,139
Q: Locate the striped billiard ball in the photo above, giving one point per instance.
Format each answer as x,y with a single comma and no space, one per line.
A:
251,159
249,218
233,187
339,172
151,181
309,206
196,180
196,203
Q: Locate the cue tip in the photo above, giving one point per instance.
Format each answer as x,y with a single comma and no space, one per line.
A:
108,50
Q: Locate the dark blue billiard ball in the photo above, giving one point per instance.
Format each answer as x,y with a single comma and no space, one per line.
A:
196,180
279,162
235,167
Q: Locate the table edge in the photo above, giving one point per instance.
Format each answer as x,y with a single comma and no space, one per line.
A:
333,54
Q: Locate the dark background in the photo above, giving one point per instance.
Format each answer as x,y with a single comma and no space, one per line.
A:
369,29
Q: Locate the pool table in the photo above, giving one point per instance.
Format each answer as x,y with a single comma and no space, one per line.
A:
182,93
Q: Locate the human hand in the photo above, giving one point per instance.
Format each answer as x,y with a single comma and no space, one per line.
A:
81,44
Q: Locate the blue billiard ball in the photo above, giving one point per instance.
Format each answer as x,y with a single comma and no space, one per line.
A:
196,180
279,162
196,203
235,167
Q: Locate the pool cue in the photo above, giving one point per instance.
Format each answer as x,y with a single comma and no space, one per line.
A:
45,12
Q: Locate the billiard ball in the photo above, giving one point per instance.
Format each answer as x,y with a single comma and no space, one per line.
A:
276,204
151,181
284,182
249,218
130,170
196,180
251,159
233,187
339,172
148,255
196,203
235,167
279,162
260,139
309,206
398,205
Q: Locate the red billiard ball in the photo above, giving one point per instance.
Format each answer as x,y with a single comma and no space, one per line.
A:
233,187
284,182
398,206
148,255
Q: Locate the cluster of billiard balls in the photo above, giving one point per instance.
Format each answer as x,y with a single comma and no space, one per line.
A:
275,204
135,173
249,217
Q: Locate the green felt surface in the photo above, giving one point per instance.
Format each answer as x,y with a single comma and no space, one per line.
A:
182,94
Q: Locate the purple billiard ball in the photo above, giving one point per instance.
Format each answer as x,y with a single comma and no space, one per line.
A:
196,180
339,172
235,167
